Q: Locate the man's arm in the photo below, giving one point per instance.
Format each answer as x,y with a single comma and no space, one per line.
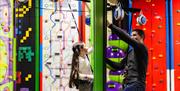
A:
124,36
115,65
85,76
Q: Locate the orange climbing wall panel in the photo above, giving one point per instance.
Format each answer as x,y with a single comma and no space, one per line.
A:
176,37
155,31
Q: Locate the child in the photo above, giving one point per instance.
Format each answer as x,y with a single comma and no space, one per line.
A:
81,73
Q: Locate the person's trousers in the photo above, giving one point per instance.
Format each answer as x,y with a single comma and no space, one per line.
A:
85,86
135,86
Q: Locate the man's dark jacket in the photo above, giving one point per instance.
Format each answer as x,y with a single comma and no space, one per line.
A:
136,61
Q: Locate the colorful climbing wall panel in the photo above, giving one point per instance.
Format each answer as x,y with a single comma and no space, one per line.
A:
62,23
7,67
27,45
176,42
116,51
155,40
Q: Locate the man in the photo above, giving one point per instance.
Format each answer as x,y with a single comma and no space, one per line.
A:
136,61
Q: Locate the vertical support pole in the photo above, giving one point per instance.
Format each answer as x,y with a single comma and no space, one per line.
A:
37,71
171,46
14,45
97,24
130,17
168,48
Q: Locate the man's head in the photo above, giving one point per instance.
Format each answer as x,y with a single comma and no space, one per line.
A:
138,35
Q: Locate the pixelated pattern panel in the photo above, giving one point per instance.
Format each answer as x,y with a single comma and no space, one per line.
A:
63,23
6,40
155,31
25,34
22,11
25,53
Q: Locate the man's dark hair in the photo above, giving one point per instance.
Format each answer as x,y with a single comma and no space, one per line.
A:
140,32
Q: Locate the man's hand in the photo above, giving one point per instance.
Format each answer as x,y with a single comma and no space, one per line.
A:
108,23
113,2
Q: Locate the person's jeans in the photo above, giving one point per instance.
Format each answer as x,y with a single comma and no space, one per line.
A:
85,85
135,86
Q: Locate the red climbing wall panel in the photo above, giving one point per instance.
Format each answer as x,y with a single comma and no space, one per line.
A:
155,31
176,36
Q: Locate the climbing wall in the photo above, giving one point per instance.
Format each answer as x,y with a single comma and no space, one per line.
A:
155,40
7,71
176,42
27,45
62,23
116,51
